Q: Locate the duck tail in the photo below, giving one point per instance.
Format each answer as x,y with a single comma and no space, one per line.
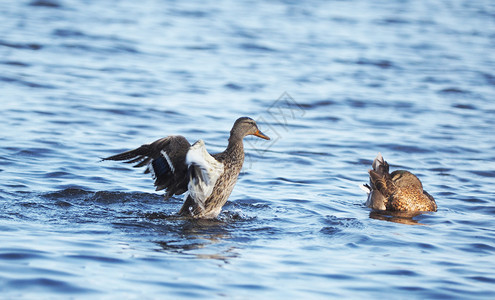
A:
380,178
379,165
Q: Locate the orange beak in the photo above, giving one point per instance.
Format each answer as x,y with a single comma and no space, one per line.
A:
261,135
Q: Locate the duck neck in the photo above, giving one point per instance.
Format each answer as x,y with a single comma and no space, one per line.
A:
235,147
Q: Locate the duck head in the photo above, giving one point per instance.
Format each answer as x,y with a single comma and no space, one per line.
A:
246,126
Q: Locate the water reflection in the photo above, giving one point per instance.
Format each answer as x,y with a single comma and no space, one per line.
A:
403,217
204,239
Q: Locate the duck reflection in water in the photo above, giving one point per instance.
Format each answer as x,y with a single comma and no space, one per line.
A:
201,238
403,217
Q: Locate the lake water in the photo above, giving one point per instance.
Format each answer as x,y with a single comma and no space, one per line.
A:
332,82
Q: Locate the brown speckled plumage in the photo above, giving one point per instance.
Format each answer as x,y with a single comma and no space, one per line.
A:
397,191
166,160
233,159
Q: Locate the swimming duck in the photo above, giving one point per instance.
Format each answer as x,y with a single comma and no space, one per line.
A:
397,191
177,167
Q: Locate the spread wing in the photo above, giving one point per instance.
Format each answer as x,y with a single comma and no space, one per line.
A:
204,171
165,159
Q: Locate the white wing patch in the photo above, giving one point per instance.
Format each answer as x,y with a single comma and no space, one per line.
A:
170,164
205,173
365,188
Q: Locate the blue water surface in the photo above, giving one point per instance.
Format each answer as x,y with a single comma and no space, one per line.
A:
332,82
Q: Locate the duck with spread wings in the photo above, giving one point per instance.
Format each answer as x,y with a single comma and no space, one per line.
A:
178,167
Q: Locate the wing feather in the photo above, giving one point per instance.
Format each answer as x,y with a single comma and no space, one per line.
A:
165,159
204,171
